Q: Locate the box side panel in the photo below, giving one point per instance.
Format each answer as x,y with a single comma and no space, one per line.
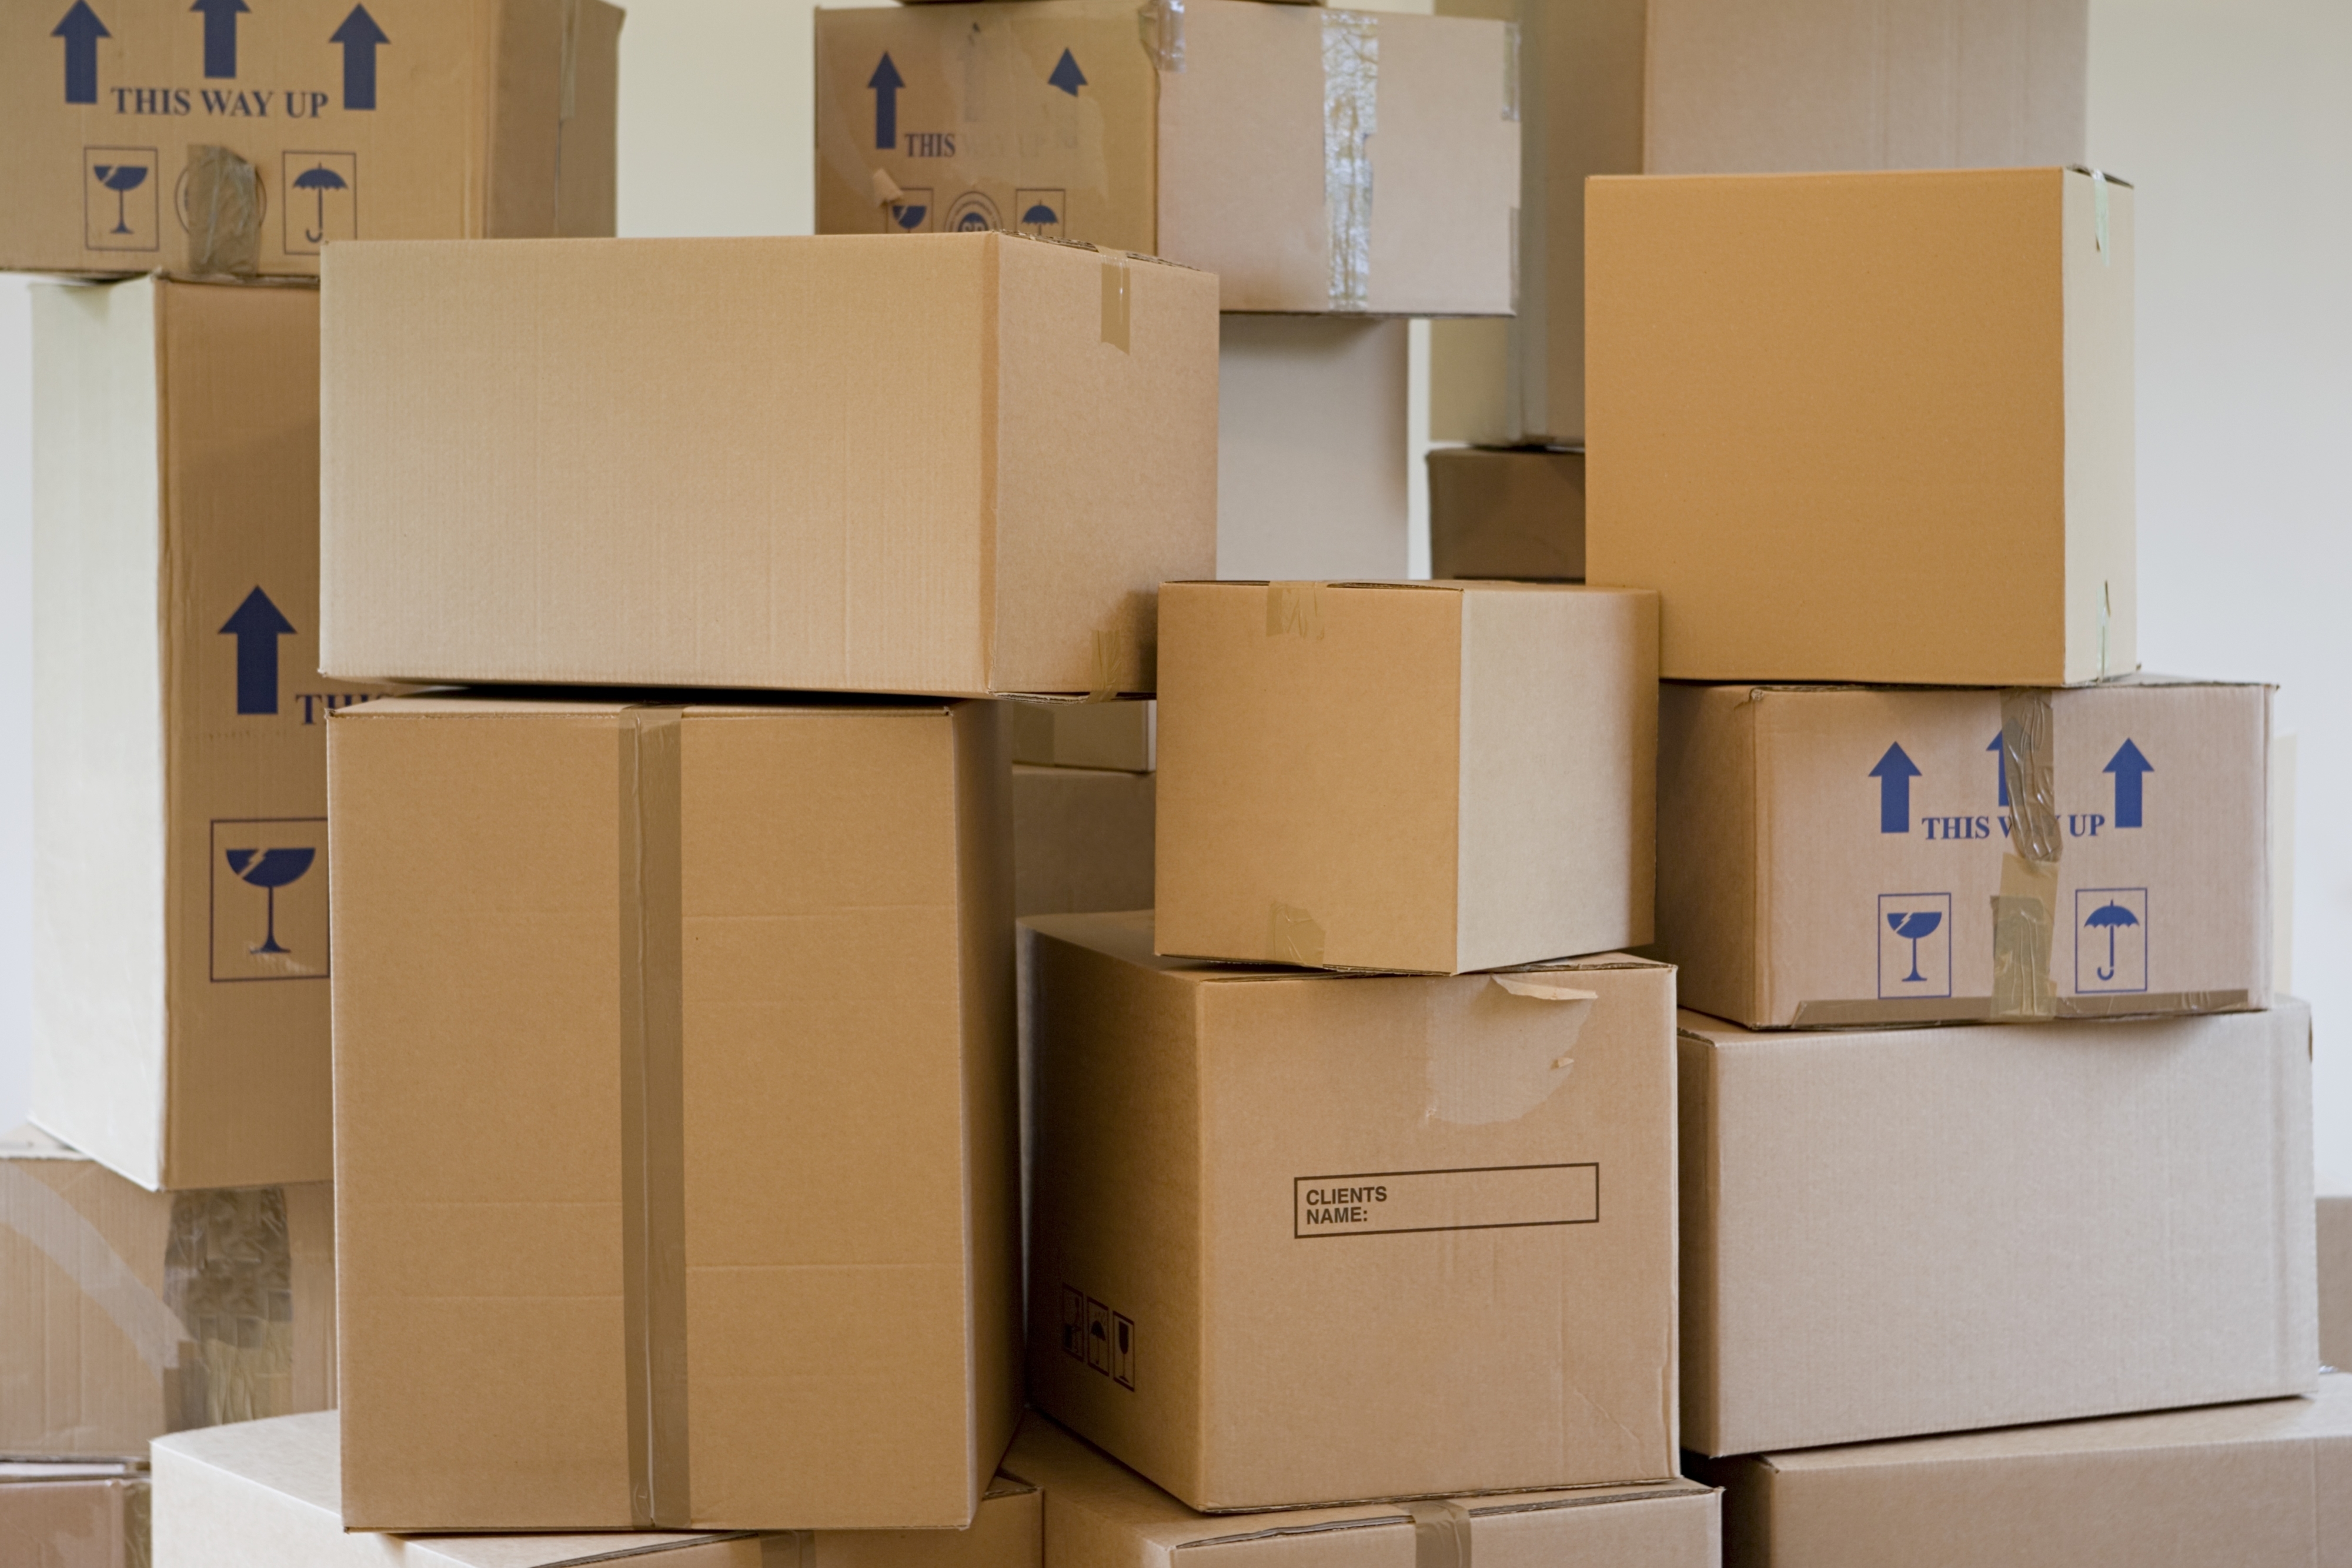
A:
70,1523
530,44
587,183
1443,168
2102,518
310,1250
1007,1532
1082,840
2335,1280
1709,875
1506,515
1698,1186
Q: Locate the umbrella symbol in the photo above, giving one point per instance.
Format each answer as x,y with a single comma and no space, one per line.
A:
270,870
120,178
1041,213
321,179
2110,914
1915,925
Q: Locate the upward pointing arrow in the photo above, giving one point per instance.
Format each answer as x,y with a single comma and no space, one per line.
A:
256,626
220,34
1067,74
81,30
2000,770
1895,772
2131,770
358,34
886,81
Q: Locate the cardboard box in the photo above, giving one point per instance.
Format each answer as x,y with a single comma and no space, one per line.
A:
1507,514
1892,1233
268,1495
1424,777
2335,1280
1852,856
2262,1482
1307,1238
1081,840
1121,735
755,1266
1867,427
497,430
1312,456
144,138
1242,138
179,735
125,1314
65,1515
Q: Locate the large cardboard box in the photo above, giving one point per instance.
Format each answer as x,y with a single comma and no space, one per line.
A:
2335,1280
70,1515
1313,463
1081,840
1307,1238
125,1314
1517,514
143,137
1867,427
1892,1233
1849,855
683,1192
1424,777
179,732
1124,736
957,463
1314,159
269,1495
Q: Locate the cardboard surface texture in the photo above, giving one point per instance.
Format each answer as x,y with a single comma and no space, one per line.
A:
487,490
683,1194
87,1515
1432,777
2335,1280
1312,460
1517,515
243,141
1466,1182
1846,856
1122,735
1243,138
1891,1233
1081,840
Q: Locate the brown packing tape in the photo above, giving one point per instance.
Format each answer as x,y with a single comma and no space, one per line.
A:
228,1277
1441,1535
1111,663
2025,917
1295,609
1293,937
223,213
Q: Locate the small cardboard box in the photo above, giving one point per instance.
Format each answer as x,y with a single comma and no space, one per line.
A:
1867,427
1892,1233
1516,514
1124,736
1304,1237
1852,856
269,1495
957,463
1314,159
1432,777
2335,1280
683,1195
1081,840
180,757
125,1314
74,1515
144,138
1314,467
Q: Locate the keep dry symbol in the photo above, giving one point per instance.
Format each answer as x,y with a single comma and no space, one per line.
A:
322,180
2110,915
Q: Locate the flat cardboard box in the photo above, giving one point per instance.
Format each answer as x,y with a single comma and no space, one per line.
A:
1517,514
1314,159
125,1314
245,140
1081,840
68,1515
1432,777
1832,856
1898,1232
1301,1238
2265,1482
503,423
269,1495
1867,427
179,733
1313,461
754,1265
1123,736
2335,1280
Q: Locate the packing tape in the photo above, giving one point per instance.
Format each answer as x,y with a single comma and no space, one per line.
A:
2099,231
1511,74
1164,35
1294,610
1115,285
138,1525
1351,64
1293,937
228,1279
1441,1535
2024,912
59,1231
223,213
1111,663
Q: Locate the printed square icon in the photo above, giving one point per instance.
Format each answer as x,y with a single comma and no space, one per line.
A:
118,202
269,899
1041,212
2110,940
911,212
1914,944
322,200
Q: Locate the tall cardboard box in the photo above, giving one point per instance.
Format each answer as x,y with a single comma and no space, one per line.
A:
1867,427
179,732
1852,856
243,141
74,1515
1304,1238
1424,777
1898,1232
957,463
1516,514
1312,459
2335,1280
1314,159
683,1194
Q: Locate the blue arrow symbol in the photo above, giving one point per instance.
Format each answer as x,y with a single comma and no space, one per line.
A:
2000,770
256,626
358,34
1067,74
220,34
1895,773
886,81
2130,770
81,30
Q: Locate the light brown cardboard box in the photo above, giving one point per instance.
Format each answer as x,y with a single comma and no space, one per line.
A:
1118,735
1081,840
269,1495
1424,777
1847,855
125,1314
2264,1482
1509,514
1313,460
956,464
180,757
2335,1280
675,1116
67,1515
1307,1238
245,140
1314,159
1892,1233
1867,427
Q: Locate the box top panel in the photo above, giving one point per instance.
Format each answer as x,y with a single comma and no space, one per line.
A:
1127,937
1725,1036
745,704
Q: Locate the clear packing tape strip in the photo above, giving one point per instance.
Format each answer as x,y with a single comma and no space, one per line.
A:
2024,912
1351,64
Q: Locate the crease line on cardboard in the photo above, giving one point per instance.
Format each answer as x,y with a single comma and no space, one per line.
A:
2024,910
223,213
1352,63
58,1230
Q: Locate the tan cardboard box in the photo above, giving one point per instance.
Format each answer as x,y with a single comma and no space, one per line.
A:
682,1194
179,733
957,465
125,1314
269,1495
1509,514
1314,159
241,140
68,1515
1307,1238
1892,1233
1313,461
1424,777
1849,855
1081,840
1116,735
1867,427
2335,1280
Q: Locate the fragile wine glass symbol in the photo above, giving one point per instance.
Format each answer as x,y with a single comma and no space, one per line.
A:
120,179
2111,916
270,870
1915,925
321,179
